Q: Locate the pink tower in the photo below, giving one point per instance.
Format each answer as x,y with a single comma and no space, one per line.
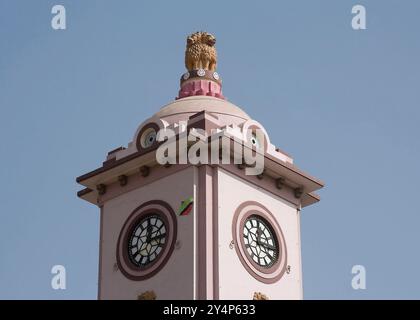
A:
188,230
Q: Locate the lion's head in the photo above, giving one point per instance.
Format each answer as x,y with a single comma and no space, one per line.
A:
201,37
209,39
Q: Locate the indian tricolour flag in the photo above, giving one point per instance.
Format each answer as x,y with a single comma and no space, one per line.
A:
186,207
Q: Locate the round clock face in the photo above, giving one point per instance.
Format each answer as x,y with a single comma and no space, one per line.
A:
260,241
147,240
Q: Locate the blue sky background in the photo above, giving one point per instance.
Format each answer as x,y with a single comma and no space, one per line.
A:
343,103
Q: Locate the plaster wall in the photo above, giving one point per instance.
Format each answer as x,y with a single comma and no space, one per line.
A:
176,279
235,282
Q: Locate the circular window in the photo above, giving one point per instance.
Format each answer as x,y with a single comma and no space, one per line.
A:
148,138
255,136
259,242
146,240
254,141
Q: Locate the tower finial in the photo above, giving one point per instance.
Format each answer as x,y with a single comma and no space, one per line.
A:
201,62
201,52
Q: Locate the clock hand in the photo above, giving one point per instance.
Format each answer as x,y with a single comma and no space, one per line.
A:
157,237
149,231
266,245
258,236
142,247
259,233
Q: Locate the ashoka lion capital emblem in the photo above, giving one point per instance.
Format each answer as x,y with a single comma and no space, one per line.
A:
200,52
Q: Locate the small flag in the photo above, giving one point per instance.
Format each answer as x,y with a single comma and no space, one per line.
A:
186,207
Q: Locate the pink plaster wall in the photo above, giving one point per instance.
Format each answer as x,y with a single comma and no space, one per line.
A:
234,280
176,279
202,267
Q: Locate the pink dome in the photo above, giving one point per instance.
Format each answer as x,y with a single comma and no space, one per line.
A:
182,109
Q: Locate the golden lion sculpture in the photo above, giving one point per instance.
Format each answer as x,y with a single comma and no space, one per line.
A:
200,52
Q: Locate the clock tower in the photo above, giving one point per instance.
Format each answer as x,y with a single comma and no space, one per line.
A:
174,227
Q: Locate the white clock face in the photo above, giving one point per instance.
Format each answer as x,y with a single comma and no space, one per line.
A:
260,241
147,241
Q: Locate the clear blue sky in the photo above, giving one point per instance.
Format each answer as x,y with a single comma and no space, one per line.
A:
343,103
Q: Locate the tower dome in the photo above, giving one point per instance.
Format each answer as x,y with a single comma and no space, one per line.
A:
182,109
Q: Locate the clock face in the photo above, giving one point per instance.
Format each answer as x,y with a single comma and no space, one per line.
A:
147,240
260,241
